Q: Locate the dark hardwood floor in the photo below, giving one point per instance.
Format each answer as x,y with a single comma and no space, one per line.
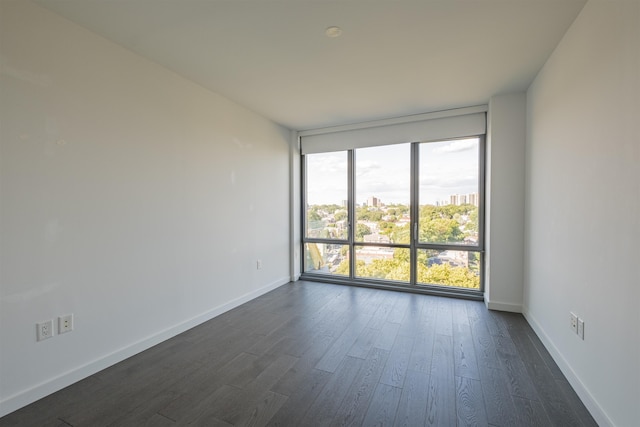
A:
312,354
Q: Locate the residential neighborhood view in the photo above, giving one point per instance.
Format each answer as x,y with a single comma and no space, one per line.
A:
450,221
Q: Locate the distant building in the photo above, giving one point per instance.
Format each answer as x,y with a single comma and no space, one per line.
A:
376,238
464,199
373,202
370,253
455,258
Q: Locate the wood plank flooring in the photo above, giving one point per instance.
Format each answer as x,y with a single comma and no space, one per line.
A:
313,354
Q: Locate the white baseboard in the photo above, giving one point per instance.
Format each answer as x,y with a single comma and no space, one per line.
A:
598,414
48,387
502,306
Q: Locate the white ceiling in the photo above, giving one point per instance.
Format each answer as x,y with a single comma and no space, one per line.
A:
394,58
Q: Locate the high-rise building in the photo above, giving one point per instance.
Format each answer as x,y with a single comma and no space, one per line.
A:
463,199
373,202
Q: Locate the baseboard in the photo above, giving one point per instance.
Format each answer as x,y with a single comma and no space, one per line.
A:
48,387
598,414
502,306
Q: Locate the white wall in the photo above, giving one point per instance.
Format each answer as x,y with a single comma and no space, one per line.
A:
130,197
583,207
505,174
295,202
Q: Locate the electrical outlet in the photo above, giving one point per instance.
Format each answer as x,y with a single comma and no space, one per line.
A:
574,322
259,264
44,330
65,323
581,328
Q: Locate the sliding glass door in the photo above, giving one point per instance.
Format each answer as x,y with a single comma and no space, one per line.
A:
405,215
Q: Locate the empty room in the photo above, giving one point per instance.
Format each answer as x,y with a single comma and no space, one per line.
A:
305,212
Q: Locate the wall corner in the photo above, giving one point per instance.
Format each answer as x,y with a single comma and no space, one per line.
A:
505,183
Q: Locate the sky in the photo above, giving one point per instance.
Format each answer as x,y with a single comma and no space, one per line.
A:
446,167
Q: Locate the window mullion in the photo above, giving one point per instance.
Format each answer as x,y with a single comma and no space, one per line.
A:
413,213
351,211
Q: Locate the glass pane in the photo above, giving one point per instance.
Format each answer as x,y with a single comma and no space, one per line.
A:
383,186
449,188
375,262
460,269
326,210
322,258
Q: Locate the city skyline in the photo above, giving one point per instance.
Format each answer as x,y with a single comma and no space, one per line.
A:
447,168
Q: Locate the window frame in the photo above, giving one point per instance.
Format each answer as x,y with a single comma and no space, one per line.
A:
337,139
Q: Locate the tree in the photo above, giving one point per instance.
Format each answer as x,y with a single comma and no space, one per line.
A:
362,213
386,228
368,214
339,215
400,234
361,231
344,250
440,230
313,215
397,269
472,223
343,267
447,275
388,269
450,223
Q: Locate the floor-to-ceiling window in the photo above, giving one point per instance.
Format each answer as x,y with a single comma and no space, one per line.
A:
326,217
382,201
449,238
404,214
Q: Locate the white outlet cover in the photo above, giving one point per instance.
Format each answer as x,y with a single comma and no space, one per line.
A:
581,328
574,322
65,323
44,330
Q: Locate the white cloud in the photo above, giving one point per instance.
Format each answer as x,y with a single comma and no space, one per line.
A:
447,167
367,167
457,146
